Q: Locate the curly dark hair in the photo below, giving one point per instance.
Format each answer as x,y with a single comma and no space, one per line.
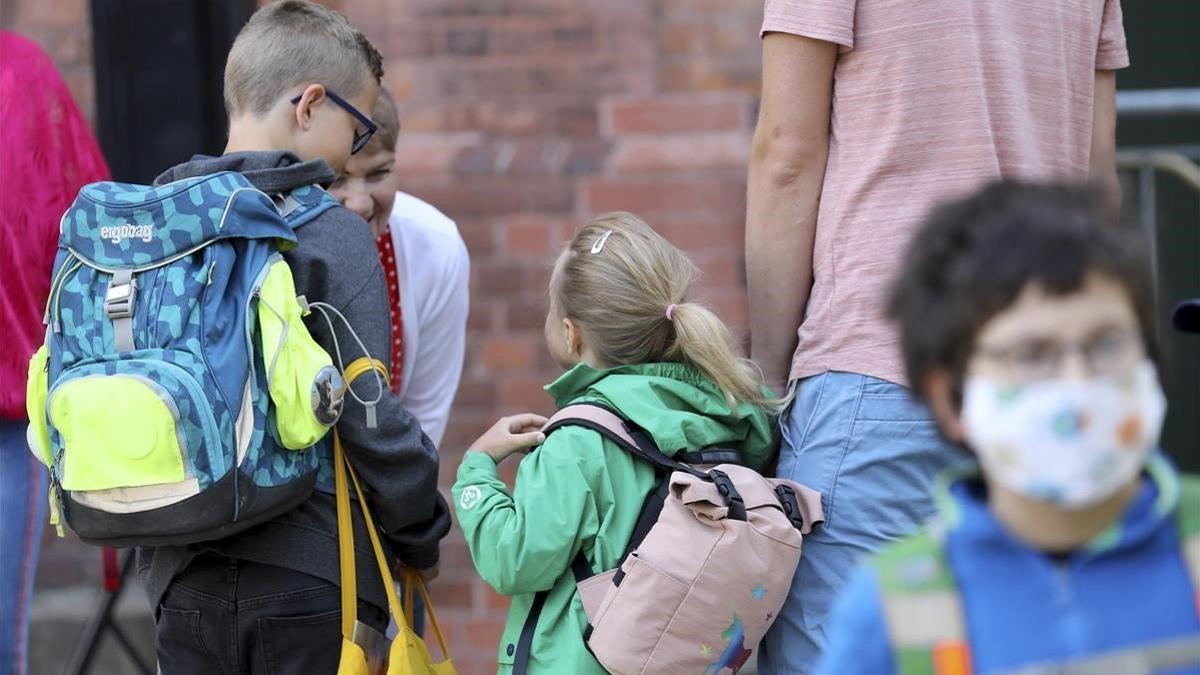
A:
973,257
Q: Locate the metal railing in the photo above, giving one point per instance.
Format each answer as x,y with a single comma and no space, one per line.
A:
1177,161
1158,102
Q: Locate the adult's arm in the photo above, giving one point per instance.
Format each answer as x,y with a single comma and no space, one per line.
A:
1104,133
787,169
1112,54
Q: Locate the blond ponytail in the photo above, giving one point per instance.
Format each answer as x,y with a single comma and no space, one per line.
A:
617,279
703,340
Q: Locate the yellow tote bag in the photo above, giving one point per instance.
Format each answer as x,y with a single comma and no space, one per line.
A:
408,654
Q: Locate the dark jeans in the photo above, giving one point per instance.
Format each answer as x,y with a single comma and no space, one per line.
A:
222,615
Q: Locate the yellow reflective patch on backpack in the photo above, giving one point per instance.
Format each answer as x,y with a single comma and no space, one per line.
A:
117,431
305,387
35,406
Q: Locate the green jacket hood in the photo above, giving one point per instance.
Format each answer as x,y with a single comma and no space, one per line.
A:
679,407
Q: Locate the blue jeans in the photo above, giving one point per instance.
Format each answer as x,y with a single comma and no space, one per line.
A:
872,451
22,513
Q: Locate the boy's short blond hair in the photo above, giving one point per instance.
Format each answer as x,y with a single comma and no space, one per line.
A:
293,42
387,119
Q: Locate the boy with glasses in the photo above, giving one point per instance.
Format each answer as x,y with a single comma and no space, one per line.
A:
1027,322
267,599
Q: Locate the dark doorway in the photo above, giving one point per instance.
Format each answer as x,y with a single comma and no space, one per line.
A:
159,72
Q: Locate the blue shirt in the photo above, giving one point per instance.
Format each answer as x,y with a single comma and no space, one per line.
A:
1128,587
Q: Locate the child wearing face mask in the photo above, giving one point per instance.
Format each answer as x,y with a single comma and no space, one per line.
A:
1027,321
622,325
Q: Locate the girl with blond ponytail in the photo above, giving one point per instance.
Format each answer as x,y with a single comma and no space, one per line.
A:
623,326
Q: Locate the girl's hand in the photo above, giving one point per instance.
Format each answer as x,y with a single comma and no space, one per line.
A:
509,435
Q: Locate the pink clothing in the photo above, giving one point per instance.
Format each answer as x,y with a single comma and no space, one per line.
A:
930,100
46,154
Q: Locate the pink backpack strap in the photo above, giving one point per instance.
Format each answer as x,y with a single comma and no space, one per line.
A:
595,417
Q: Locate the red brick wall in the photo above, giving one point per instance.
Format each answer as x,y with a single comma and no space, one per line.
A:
522,118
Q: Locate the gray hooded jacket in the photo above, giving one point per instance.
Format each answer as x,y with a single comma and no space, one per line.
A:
335,262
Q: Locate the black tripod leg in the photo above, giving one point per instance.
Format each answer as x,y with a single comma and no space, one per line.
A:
131,651
101,618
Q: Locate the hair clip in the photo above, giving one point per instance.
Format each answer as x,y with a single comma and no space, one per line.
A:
599,245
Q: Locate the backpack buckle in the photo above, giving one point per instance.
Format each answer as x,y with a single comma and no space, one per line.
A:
737,506
286,205
790,504
120,299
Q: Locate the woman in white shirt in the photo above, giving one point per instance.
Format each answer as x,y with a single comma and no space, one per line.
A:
427,269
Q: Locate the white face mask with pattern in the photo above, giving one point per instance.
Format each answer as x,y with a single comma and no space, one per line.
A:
1071,443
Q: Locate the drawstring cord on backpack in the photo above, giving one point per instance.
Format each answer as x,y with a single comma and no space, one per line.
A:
326,309
282,336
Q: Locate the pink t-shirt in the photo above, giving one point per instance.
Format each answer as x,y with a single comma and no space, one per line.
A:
931,99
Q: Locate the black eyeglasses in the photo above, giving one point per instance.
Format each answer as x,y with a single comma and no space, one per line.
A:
361,138
1108,352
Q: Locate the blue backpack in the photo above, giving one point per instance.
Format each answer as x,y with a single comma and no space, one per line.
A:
179,396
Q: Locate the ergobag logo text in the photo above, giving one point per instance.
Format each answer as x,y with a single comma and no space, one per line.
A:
118,233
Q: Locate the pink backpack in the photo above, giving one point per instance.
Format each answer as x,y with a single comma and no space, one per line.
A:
707,569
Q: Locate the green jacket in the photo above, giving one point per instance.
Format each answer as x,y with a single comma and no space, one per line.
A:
578,490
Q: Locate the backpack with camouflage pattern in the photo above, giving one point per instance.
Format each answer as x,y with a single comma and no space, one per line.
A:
178,396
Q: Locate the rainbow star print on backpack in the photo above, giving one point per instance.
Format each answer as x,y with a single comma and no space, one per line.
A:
178,395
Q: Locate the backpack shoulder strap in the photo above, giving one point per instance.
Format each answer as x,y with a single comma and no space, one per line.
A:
302,204
922,607
608,423
1187,520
